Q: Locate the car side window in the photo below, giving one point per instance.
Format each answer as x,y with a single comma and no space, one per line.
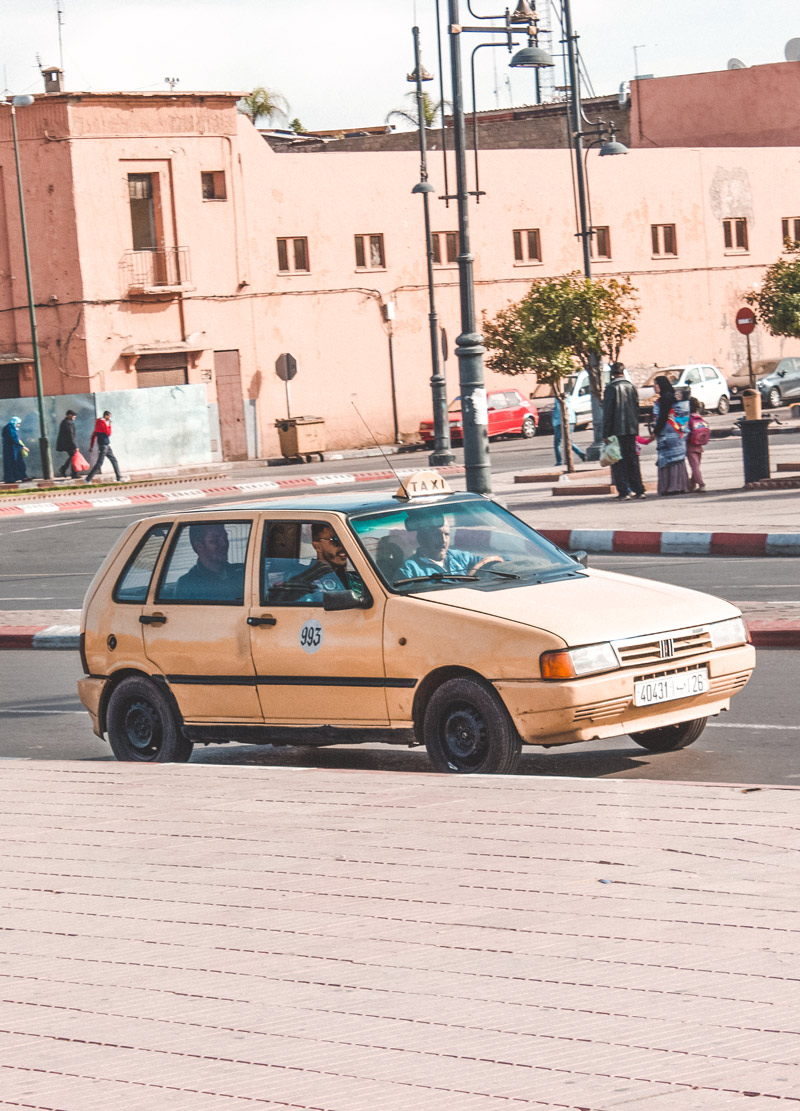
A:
301,561
134,582
710,374
514,400
692,377
206,564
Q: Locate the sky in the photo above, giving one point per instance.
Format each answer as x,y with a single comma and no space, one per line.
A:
343,63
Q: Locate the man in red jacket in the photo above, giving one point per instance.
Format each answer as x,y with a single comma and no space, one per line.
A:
102,434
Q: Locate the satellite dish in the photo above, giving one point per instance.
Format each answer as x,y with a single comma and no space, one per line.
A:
791,51
736,63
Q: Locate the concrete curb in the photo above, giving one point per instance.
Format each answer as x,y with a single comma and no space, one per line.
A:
39,505
763,633
676,543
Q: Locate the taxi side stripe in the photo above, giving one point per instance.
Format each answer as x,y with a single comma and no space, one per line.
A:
288,681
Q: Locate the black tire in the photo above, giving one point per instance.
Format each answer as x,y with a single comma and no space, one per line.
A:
774,398
724,405
669,738
467,729
141,725
528,430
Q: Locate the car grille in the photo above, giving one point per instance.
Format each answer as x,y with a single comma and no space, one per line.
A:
671,646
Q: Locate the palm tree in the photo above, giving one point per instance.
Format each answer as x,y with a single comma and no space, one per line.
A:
430,110
263,102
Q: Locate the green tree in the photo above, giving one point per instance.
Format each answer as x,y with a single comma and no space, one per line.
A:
560,324
263,103
430,110
296,126
777,302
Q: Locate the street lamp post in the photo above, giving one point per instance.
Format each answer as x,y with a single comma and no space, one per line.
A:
442,454
44,443
469,344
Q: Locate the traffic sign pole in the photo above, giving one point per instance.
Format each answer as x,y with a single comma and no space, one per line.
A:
745,323
750,362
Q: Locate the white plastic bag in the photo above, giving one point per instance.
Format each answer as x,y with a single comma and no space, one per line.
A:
610,452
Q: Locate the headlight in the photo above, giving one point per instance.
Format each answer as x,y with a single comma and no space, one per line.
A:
571,663
725,634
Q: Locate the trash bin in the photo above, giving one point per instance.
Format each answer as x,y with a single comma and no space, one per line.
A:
751,400
301,437
755,449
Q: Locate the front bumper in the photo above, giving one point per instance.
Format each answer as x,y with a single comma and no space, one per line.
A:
602,705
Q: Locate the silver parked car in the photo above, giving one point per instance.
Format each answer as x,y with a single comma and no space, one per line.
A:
780,385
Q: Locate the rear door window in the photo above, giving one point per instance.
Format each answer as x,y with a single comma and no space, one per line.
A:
134,582
206,564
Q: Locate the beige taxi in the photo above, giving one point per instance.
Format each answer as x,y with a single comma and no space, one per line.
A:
432,611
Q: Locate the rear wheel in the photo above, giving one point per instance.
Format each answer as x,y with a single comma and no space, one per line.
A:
723,405
669,738
774,398
467,729
141,725
528,429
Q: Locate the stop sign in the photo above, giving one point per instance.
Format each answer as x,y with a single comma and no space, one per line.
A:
745,321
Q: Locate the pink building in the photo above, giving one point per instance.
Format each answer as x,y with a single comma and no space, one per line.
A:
170,245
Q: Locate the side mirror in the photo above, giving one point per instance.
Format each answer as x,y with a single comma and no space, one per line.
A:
581,557
344,600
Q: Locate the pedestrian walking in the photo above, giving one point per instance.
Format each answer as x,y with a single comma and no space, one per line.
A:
102,436
557,430
699,435
621,419
14,453
67,442
671,431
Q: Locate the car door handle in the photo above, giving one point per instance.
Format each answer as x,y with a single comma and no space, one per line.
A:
153,619
267,619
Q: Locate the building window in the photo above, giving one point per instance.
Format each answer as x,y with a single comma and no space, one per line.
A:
213,185
665,241
600,244
790,230
527,246
370,254
142,190
293,254
445,247
735,234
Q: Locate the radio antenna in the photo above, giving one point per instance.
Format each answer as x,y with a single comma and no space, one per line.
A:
380,449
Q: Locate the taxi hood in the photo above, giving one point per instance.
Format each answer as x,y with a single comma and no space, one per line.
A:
597,606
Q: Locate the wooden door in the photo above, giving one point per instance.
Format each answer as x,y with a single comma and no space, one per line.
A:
231,405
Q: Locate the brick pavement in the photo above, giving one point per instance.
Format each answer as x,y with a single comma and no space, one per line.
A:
183,938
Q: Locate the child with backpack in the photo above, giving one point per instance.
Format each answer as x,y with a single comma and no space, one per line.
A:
699,435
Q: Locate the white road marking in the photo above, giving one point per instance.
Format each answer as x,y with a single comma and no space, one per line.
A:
746,725
40,713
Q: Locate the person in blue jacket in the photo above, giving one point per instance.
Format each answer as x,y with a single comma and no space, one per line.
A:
14,452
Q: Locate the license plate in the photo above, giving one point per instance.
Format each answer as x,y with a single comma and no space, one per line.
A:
686,684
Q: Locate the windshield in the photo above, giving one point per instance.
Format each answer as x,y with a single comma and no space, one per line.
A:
673,376
456,543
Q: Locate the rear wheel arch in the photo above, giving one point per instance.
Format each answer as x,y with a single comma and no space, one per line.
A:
132,672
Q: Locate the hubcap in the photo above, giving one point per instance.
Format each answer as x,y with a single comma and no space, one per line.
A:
142,728
465,737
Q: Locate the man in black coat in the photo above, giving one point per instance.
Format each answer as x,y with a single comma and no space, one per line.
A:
67,442
621,419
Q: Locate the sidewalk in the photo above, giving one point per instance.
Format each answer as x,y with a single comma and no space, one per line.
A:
193,938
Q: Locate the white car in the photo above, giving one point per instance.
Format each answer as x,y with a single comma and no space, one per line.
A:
705,382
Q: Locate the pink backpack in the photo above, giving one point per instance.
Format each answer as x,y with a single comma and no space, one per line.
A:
699,432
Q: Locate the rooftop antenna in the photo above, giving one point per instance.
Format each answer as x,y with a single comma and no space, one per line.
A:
172,82
380,449
60,17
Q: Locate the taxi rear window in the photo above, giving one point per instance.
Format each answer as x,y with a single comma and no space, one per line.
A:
134,582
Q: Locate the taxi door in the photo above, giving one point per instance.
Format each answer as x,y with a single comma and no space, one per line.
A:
195,621
314,665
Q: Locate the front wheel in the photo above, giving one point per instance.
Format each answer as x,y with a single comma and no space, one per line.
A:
774,398
669,738
467,729
528,429
723,405
141,725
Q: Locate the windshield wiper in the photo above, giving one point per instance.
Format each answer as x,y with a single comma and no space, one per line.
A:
500,574
436,576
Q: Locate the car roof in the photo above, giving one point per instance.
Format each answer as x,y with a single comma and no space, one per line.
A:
333,503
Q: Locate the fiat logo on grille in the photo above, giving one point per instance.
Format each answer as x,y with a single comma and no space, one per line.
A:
666,648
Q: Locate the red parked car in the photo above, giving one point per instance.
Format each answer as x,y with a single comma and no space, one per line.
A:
510,414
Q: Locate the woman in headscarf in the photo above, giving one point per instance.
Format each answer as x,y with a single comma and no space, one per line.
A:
14,452
671,431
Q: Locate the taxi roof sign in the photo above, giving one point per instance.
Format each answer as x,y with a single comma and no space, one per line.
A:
423,484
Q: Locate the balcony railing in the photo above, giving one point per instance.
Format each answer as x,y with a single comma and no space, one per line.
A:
162,270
